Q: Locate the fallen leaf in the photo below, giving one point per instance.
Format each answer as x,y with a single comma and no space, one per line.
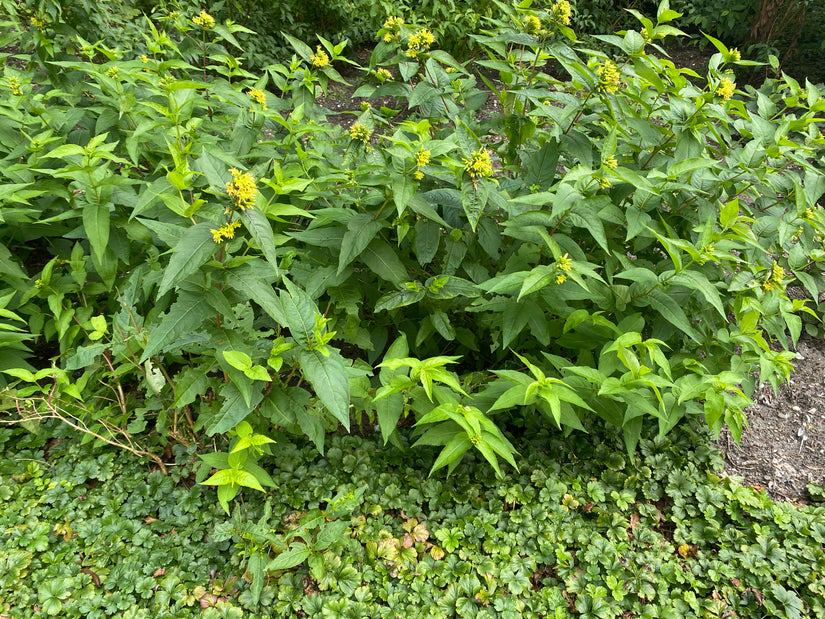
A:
159,572
95,577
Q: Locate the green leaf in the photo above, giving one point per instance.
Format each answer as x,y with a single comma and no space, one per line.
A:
261,230
473,199
427,240
96,224
670,309
296,555
330,533
194,248
234,409
698,281
191,383
361,229
389,411
452,451
399,298
249,280
185,316
237,359
328,377
382,260
299,312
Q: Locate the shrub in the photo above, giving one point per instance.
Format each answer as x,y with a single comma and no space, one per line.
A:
191,246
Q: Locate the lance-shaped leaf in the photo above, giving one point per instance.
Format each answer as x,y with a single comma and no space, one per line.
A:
194,248
328,377
361,229
185,316
261,230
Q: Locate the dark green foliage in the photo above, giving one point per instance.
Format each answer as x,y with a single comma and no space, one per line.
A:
580,531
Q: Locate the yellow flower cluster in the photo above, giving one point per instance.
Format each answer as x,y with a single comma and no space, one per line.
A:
604,182
726,88
419,42
564,263
383,75
561,278
226,231
360,133
734,55
144,58
532,25
14,85
393,26
561,12
422,158
610,162
242,189
112,72
319,58
775,278
38,23
479,165
258,96
609,77
204,20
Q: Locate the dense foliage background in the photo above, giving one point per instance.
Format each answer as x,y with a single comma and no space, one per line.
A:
542,239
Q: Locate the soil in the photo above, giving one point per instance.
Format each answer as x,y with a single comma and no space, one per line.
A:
783,447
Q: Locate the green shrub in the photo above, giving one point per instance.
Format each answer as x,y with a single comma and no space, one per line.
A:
190,246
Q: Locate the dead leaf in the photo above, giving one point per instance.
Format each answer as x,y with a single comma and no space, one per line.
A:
149,520
95,577
634,521
408,540
159,572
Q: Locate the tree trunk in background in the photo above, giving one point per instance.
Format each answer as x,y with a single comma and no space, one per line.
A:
775,18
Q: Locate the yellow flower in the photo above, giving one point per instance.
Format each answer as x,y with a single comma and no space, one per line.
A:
393,24
532,24
14,85
419,42
726,88
204,20
257,95
564,263
561,12
604,182
319,58
216,234
734,55
360,133
389,37
38,23
383,75
112,72
610,162
609,76
479,165
418,175
144,58
242,189
422,157
560,279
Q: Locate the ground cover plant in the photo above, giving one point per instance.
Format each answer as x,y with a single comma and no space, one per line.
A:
580,531
193,256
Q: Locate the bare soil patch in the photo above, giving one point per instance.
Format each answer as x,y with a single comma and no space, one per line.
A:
783,447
